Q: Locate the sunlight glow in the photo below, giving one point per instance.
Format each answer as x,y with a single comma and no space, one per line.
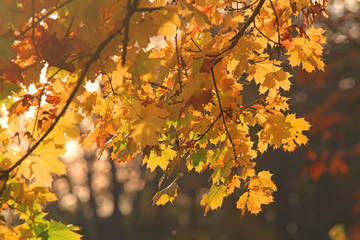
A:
43,73
4,116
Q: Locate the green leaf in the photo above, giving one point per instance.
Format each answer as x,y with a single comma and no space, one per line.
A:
59,231
8,89
145,68
214,198
197,160
5,50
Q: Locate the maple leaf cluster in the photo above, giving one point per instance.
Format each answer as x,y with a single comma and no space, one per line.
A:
173,77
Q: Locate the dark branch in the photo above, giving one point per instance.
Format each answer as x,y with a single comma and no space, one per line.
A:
148,9
197,46
264,34
158,85
208,129
277,22
234,40
131,9
222,113
178,62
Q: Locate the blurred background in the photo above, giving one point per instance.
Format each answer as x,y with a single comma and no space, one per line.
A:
318,185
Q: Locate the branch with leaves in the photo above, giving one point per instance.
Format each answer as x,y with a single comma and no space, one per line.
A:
169,72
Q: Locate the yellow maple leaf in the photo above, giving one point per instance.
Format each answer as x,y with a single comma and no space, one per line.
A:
144,67
153,120
260,189
214,198
43,162
234,183
275,130
262,180
253,200
275,80
298,125
159,159
307,50
66,127
168,194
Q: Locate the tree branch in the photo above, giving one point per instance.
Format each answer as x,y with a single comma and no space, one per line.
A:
209,128
178,62
269,39
148,9
131,9
222,113
234,40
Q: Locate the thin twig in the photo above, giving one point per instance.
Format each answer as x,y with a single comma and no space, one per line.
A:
115,93
158,85
197,46
253,103
277,22
208,129
39,99
222,113
178,62
234,40
148,9
264,34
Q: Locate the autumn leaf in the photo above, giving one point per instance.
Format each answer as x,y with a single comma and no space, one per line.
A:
262,180
145,68
214,198
59,231
5,50
275,130
159,158
196,91
166,195
42,163
253,200
152,122
197,160
234,183
298,125
308,50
